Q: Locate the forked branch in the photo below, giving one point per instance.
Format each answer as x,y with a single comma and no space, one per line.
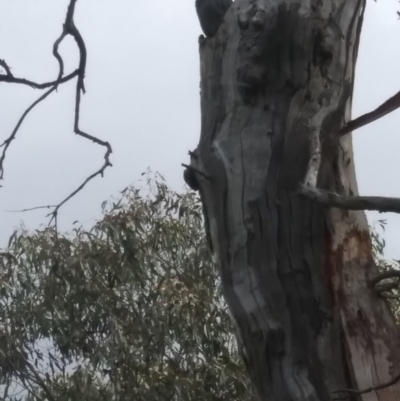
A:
69,28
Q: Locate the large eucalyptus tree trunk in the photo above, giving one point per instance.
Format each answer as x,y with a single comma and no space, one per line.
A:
295,274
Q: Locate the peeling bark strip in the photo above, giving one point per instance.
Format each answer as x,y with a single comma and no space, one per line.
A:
294,276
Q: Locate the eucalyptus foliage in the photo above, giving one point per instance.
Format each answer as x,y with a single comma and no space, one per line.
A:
130,309
389,288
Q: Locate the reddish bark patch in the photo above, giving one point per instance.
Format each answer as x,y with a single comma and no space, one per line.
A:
355,246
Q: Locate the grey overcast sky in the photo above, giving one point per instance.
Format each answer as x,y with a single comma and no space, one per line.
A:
142,86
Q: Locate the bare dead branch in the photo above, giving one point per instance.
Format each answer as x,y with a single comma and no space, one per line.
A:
8,141
54,86
385,108
384,276
356,393
69,28
23,81
380,204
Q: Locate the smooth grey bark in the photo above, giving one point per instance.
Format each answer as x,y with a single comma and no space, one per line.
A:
294,273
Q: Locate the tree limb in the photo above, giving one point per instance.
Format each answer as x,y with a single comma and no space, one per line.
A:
381,204
385,108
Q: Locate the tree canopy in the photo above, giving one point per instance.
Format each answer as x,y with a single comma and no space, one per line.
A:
128,309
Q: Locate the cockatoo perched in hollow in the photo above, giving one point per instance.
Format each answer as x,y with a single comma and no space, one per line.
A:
211,13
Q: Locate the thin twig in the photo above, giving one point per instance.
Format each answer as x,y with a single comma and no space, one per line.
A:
58,57
98,172
380,204
31,208
11,79
356,393
385,108
7,142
